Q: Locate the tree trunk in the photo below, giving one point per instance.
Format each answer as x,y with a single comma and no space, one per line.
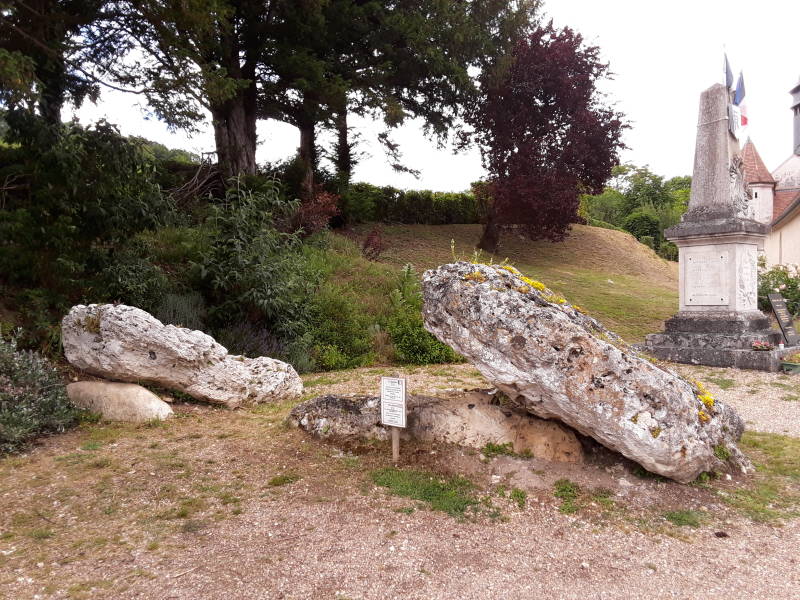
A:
52,74
308,156
235,136
490,238
344,158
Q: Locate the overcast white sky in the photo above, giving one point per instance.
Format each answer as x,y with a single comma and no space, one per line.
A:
663,54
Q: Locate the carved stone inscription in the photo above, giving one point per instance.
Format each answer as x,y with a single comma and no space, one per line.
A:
706,278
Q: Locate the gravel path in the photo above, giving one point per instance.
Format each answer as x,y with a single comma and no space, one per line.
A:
767,402
359,551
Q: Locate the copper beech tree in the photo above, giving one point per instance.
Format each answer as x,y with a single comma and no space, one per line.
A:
545,134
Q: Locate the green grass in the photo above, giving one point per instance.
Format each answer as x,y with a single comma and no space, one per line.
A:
603,497
721,452
284,479
773,494
452,495
519,496
491,450
684,518
568,493
722,383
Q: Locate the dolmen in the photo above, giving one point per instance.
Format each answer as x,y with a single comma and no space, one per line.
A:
558,363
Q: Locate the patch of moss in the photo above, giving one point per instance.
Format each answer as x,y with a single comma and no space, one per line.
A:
684,518
284,479
721,452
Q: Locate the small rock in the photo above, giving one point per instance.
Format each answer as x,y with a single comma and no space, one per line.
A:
584,565
721,534
118,401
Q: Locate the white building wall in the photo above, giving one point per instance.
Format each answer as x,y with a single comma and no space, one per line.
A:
782,246
762,198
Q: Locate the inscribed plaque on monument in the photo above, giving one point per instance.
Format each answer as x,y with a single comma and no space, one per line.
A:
785,319
706,278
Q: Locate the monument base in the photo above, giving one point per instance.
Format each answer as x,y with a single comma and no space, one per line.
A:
718,340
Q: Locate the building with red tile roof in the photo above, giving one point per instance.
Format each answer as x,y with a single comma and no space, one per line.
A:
776,194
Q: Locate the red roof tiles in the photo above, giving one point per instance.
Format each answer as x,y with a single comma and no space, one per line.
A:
783,199
754,169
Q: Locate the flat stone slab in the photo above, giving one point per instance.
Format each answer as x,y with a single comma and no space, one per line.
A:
474,419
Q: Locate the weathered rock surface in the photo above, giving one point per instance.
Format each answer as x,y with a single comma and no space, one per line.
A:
474,419
119,401
128,344
561,364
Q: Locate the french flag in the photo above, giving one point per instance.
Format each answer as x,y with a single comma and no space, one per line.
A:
738,99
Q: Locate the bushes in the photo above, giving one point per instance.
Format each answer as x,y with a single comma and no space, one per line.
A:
77,192
363,203
252,270
782,279
341,331
640,225
412,342
33,400
668,250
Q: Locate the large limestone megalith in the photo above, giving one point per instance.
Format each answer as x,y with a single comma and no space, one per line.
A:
561,364
128,344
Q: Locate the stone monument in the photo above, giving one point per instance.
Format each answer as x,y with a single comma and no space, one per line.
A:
718,241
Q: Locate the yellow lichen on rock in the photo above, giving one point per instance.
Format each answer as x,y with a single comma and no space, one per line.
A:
475,276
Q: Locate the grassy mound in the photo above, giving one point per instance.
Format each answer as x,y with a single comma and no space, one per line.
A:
609,273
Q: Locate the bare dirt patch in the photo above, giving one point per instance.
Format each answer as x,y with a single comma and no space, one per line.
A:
218,504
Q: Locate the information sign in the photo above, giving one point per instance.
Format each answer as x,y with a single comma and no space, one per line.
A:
393,401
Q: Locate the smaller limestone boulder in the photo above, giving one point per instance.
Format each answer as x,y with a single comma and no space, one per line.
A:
474,420
119,401
128,344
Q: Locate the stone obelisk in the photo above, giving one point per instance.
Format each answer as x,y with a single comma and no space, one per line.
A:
718,242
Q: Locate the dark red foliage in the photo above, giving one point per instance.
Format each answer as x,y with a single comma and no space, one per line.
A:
545,134
315,214
373,244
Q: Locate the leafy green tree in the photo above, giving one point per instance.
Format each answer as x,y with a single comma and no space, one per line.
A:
48,53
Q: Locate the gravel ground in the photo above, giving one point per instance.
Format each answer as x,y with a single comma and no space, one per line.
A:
767,402
355,550
346,539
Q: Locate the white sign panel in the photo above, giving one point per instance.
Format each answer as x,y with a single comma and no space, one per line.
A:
706,278
393,401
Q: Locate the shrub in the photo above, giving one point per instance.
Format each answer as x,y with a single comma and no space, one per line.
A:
668,250
77,192
135,281
359,201
782,279
314,215
183,310
412,342
648,241
33,400
341,332
252,270
640,224
363,203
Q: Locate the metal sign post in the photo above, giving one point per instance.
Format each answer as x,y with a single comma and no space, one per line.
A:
393,410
